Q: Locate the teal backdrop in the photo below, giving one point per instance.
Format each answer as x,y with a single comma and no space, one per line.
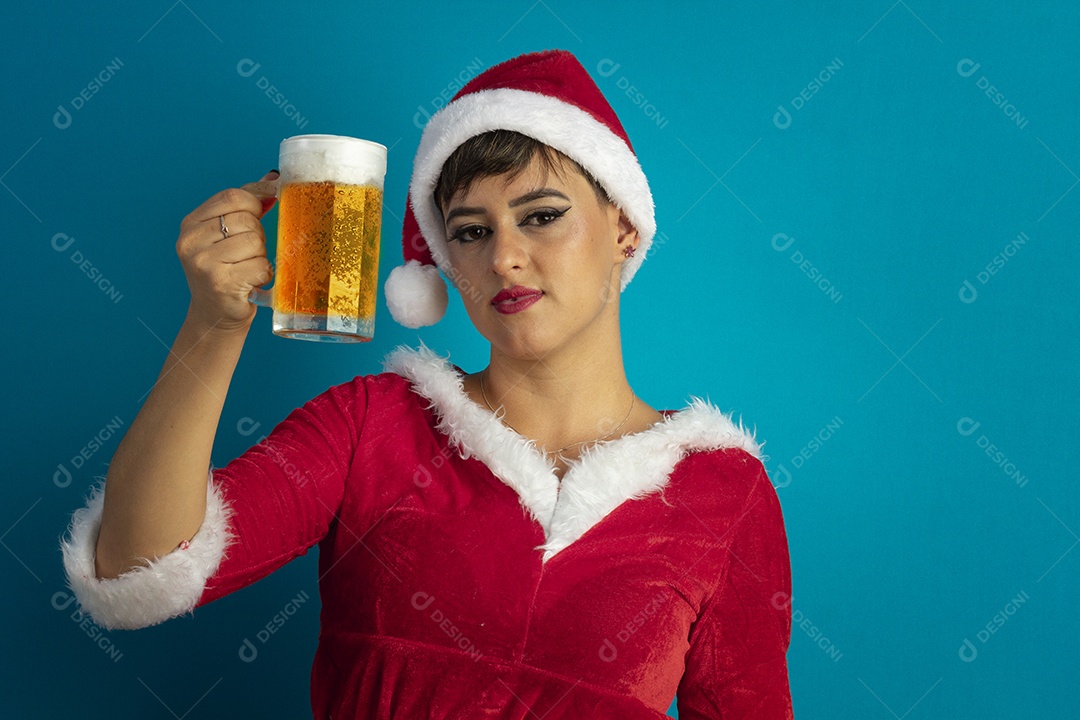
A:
867,250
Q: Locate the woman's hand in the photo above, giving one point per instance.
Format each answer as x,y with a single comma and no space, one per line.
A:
220,270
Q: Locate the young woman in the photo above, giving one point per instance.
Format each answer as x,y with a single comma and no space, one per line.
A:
529,540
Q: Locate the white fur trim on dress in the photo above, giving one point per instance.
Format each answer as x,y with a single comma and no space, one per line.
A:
565,127
146,595
599,481
415,295
474,431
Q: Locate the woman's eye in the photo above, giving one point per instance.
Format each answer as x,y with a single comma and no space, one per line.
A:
544,216
469,233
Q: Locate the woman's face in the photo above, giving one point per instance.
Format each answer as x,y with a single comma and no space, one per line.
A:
546,237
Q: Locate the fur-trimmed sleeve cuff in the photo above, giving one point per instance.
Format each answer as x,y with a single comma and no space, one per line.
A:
146,595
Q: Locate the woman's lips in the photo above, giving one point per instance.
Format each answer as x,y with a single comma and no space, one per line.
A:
517,304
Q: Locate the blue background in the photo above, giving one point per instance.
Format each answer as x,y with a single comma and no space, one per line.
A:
899,180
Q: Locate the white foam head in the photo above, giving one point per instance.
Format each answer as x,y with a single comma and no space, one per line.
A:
317,158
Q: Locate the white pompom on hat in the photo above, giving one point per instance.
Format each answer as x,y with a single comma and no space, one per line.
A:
547,96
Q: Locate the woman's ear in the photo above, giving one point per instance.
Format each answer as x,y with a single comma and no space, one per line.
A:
626,237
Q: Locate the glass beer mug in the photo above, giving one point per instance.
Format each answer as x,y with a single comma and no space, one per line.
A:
326,269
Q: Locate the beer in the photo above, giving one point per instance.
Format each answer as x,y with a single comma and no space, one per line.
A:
328,235
329,216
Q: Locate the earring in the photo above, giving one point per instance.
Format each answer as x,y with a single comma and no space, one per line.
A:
628,251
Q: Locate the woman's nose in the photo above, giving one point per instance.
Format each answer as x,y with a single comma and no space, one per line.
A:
508,252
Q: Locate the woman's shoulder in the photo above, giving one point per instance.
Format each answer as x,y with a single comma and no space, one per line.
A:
393,388
702,428
410,377
426,377
717,450
723,483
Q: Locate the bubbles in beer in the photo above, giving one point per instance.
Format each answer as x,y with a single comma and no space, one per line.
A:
328,250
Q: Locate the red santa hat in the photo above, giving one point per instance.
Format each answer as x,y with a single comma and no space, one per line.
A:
547,96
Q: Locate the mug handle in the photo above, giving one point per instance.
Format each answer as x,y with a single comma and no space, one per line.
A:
258,296
263,298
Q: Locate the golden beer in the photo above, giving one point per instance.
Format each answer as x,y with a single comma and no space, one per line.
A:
328,251
326,270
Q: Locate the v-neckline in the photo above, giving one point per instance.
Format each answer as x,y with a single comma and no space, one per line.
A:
599,480
571,465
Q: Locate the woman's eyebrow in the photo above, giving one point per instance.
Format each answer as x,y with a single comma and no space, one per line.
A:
516,202
462,211
536,195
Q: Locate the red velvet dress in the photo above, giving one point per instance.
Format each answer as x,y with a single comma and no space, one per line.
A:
461,579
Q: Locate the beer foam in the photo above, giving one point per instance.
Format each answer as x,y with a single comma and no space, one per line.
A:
320,158
319,166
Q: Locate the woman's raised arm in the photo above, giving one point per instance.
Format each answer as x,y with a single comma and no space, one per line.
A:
157,480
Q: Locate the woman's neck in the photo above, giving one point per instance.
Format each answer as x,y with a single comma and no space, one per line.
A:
563,400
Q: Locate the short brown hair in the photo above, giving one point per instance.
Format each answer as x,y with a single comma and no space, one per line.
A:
494,153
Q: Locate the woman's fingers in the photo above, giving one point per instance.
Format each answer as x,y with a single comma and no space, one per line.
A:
250,198
265,189
229,225
248,274
238,248
222,247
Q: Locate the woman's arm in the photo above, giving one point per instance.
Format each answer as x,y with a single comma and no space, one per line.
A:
737,664
263,509
157,480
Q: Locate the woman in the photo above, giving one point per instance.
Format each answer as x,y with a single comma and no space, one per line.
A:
531,540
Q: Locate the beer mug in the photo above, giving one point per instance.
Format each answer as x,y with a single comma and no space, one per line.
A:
326,270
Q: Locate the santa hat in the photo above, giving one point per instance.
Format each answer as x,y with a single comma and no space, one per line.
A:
547,96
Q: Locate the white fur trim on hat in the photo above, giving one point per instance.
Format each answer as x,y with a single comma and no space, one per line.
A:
416,295
171,585
565,127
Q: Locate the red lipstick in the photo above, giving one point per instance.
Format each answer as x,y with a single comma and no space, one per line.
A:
515,299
